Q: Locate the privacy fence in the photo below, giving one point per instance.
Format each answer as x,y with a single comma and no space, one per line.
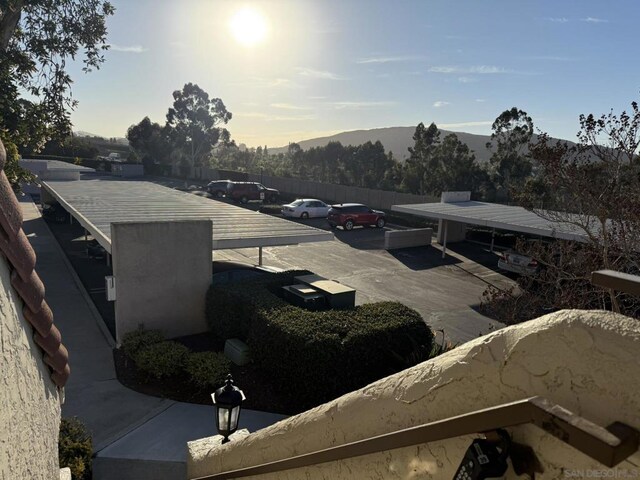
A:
328,192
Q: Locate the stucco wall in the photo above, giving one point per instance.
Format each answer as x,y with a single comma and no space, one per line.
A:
588,362
29,401
162,272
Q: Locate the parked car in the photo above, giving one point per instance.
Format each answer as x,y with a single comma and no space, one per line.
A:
246,191
218,188
348,215
227,272
95,250
515,262
306,208
55,213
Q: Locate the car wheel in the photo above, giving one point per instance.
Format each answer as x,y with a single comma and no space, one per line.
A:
273,199
304,215
244,199
380,223
348,225
219,194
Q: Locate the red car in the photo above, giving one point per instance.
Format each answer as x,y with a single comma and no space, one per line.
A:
348,215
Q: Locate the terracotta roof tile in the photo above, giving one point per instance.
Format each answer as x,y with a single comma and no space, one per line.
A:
20,254
42,320
49,343
59,360
31,291
60,378
10,214
15,245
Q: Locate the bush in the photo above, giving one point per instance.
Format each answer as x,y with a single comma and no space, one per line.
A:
207,369
75,448
136,341
317,355
230,311
321,355
162,359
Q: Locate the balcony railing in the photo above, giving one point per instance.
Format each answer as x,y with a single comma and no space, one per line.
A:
609,446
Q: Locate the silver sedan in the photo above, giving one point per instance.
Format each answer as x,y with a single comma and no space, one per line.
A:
306,208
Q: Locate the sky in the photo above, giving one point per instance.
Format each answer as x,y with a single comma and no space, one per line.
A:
290,70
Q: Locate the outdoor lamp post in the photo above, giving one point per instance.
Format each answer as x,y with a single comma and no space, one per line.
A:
228,400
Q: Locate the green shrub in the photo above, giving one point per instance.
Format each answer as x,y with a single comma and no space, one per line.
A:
75,448
162,359
134,342
207,369
230,310
321,355
317,356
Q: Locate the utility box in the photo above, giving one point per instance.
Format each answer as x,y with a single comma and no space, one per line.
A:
304,296
110,287
237,351
336,294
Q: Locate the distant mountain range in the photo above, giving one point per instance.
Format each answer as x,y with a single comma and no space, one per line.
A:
396,139
119,140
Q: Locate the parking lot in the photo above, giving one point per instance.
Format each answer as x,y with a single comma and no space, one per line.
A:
446,292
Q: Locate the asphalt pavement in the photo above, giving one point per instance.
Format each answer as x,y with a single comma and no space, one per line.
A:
446,292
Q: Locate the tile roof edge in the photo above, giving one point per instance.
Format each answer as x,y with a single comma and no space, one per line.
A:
26,282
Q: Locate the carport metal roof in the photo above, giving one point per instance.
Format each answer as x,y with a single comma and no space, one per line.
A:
97,202
503,217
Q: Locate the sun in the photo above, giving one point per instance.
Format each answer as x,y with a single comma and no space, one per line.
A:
248,26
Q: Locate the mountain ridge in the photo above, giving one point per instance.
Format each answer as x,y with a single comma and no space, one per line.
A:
394,139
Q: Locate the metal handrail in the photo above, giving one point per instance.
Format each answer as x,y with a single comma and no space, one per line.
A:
609,446
613,280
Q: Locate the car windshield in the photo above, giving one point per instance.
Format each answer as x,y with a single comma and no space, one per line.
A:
297,203
261,187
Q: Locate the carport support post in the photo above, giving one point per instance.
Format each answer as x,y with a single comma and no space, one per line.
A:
444,243
260,256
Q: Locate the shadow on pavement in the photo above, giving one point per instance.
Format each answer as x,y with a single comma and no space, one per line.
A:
422,258
91,271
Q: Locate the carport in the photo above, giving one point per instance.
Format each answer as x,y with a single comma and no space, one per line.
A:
455,211
160,241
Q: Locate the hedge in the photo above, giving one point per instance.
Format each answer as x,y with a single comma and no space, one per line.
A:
136,341
321,355
230,310
318,355
207,369
162,359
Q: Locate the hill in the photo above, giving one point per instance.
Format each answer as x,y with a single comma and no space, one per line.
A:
396,139
88,135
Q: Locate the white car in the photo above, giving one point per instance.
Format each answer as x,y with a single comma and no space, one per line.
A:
512,261
306,208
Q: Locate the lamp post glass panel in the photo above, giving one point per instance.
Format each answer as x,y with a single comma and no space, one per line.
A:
228,401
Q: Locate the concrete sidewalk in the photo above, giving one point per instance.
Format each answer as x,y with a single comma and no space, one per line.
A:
134,435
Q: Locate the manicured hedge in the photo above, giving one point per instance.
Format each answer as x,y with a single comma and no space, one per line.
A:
230,310
318,356
162,359
136,341
321,355
207,369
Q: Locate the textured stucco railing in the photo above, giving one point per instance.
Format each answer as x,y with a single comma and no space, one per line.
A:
585,361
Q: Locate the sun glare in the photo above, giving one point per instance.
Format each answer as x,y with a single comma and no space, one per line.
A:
248,26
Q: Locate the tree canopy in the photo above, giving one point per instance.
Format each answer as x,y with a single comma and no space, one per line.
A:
194,122
37,38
